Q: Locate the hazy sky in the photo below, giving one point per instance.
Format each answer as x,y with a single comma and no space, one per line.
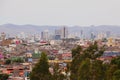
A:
60,12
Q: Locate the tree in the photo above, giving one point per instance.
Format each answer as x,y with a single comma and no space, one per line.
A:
112,72
17,60
87,58
84,71
96,70
77,58
116,61
8,61
91,70
93,51
76,51
4,76
41,69
116,75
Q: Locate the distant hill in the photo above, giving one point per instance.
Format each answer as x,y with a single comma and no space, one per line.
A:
13,29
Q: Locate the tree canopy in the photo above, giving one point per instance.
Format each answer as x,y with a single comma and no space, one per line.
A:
86,66
4,76
41,69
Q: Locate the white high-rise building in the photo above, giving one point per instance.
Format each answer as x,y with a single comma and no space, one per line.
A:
3,36
45,35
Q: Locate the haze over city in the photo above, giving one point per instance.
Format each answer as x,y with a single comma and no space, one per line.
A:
59,39
60,12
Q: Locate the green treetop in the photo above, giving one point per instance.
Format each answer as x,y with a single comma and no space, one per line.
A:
41,69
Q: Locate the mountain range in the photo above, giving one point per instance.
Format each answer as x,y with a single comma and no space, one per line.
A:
14,29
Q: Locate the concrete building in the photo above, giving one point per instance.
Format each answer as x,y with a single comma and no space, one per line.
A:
58,34
64,32
45,35
3,35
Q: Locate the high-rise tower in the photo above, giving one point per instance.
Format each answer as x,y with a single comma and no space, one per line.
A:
64,32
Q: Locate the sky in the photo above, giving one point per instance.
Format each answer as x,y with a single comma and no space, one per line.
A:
60,12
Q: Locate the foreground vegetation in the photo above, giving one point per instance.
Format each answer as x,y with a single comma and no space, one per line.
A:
4,76
84,66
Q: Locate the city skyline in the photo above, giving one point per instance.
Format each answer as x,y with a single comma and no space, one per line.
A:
60,12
